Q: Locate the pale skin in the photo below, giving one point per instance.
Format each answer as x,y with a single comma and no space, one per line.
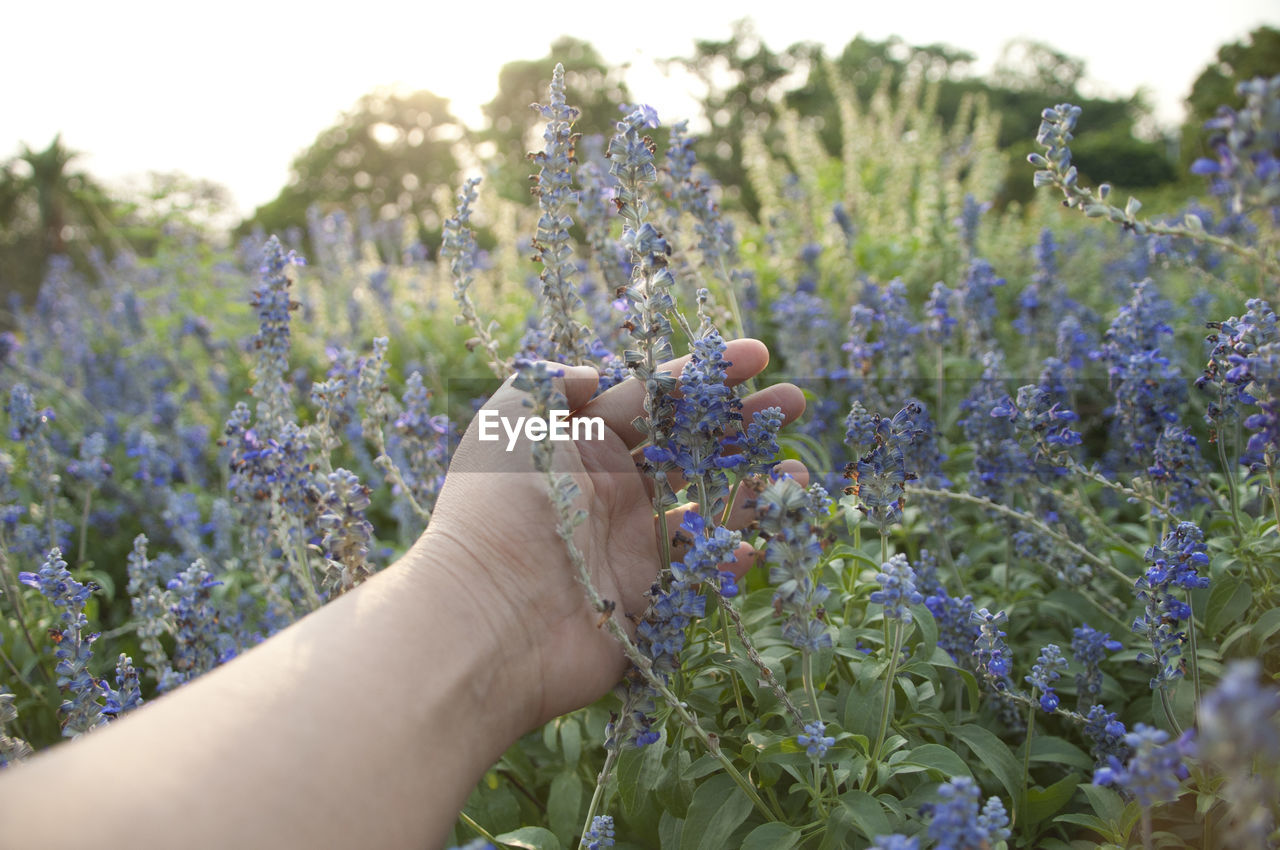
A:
367,723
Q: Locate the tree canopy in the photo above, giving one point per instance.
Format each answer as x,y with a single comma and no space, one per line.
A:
47,207
597,89
389,154
1256,56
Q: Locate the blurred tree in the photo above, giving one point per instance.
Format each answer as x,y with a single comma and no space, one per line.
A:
389,154
743,82
594,88
747,82
168,204
1026,65
1258,56
46,208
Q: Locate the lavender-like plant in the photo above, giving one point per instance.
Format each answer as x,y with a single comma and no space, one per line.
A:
566,336
82,708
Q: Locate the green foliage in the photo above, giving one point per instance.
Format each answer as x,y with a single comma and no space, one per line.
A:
749,87
514,126
728,769
48,208
1257,56
904,175
389,154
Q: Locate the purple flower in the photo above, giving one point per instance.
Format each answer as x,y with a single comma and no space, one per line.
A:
895,841
959,824
600,834
707,411
790,517
271,345
991,653
199,643
957,630
1044,673
82,708
1155,767
12,750
1089,647
1239,726
126,695
1106,736
940,322
814,741
897,588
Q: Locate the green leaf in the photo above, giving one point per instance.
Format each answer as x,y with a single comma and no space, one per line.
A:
771,836
530,838
1228,600
700,768
718,807
1097,824
862,707
564,805
928,629
1106,803
669,831
673,791
549,734
638,769
1058,751
571,740
865,813
993,753
1268,624
937,758
1241,631
1043,803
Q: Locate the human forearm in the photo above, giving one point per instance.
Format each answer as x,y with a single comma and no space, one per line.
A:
364,724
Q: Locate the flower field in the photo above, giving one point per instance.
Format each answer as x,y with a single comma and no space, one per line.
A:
1028,597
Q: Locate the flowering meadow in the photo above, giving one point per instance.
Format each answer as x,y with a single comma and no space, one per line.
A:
1029,596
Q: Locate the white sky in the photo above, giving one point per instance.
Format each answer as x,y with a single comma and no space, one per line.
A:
232,91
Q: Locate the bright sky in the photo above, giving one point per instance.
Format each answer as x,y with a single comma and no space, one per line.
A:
232,91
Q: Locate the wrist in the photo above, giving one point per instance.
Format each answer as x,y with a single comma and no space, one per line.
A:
501,684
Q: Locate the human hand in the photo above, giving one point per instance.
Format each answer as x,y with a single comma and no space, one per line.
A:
495,515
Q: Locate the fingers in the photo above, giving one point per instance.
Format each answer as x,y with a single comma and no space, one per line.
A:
618,406
580,384
786,397
741,515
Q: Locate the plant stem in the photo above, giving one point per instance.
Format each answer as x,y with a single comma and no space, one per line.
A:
1232,496
1008,563
1026,758
12,593
302,571
1034,523
84,524
754,657
728,505
941,380
480,830
1275,496
1168,711
564,528
611,756
388,466
737,688
888,699
1195,653
806,674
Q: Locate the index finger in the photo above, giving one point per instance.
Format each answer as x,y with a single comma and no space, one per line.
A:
619,405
